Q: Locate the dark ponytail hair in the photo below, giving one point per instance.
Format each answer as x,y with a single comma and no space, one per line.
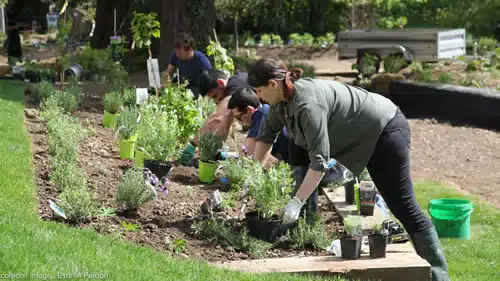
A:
267,68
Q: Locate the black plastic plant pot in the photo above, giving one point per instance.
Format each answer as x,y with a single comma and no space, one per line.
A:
266,229
366,211
349,192
351,248
378,245
160,169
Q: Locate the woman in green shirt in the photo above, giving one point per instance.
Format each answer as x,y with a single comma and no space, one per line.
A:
357,128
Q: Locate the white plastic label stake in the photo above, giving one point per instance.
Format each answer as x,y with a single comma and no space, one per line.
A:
153,73
57,210
141,95
217,198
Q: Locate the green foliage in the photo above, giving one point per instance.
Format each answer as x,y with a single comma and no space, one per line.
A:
265,39
445,78
394,63
206,106
67,175
95,61
64,137
178,102
179,245
67,101
367,65
486,44
209,145
129,96
113,101
238,239
157,132
352,225
237,170
271,189
133,191
130,227
126,122
41,91
222,61
77,203
144,27
309,234
50,109
106,212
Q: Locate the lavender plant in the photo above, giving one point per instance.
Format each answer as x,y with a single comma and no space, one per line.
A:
133,191
126,122
113,102
77,203
209,145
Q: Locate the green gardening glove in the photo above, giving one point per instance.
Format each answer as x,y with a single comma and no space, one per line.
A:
187,155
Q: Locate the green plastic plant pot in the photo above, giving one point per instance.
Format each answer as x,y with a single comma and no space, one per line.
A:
206,171
109,119
140,156
127,148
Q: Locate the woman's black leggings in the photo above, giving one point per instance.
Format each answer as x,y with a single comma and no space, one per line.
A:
389,168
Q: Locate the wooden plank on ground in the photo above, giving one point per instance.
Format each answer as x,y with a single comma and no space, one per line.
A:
390,268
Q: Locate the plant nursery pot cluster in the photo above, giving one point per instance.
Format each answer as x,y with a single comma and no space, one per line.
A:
378,244
351,247
266,229
160,169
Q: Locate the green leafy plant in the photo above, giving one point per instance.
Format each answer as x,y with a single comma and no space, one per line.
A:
394,63
179,245
67,176
106,212
445,78
379,229
64,137
266,39
130,227
67,101
271,189
308,39
352,225
367,65
295,39
113,101
158,132
129,96
486,44
41,91
309,234
133,191
276,39
209,145
206,106
237,170
144,27
126,122
222,61
77,203
50,109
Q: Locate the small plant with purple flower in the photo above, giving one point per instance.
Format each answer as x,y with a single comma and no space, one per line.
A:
134,191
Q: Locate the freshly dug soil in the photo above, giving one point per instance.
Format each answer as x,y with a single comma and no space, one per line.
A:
168,218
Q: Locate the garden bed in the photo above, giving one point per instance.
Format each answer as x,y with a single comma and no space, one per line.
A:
164,224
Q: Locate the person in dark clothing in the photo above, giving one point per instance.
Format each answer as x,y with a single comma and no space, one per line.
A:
13,45
190,63
248,109
360,129
218,86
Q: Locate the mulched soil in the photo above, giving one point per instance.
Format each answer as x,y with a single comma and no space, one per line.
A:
166,219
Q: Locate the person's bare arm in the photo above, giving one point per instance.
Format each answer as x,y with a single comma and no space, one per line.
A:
250,145
168,75
269,130
262,152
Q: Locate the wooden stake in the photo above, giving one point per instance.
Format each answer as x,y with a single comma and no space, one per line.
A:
152,70
115,21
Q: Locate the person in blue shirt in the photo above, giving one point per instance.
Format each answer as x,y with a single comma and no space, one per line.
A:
190,63
247,108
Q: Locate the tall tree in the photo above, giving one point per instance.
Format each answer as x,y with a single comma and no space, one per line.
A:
104,23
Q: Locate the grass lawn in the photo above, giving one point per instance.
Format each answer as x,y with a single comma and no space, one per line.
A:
31,246
477,259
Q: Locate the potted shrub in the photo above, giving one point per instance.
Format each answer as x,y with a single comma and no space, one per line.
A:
126,128
157,140
271,191
350,241
113,102
209,145
378,240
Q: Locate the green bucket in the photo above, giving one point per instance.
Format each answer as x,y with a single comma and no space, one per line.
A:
206,171
140,156
451,217
109,119
127,148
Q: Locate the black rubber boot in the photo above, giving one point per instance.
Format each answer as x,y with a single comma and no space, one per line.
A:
428,246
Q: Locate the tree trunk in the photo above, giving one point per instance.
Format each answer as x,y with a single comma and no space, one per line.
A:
172,13
317,10
104,22
237,43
